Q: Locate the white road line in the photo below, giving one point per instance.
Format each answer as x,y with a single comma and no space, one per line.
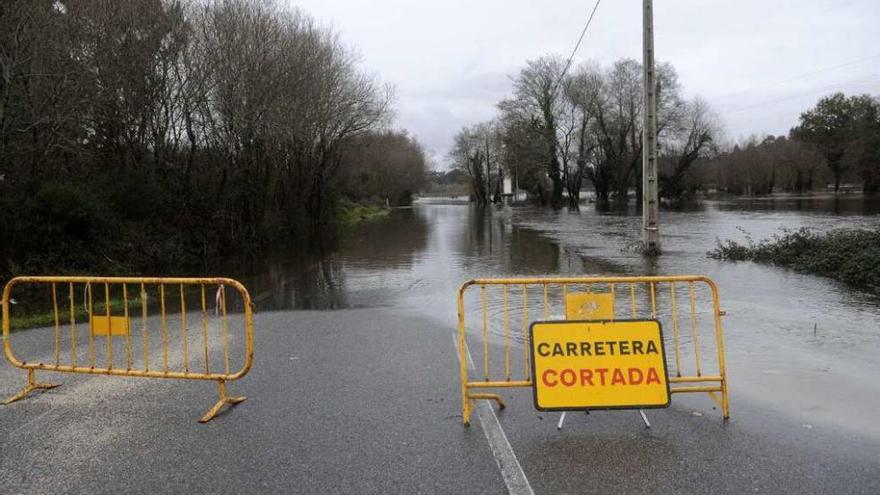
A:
511,471
457,353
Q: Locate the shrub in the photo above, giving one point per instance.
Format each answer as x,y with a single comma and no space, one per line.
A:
849,255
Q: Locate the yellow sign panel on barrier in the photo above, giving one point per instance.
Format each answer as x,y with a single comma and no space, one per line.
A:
598,365
110,325
589,306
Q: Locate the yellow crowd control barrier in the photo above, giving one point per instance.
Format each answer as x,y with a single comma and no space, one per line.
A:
138,327
686,306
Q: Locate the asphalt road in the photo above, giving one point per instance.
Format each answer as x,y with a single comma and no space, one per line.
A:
366,401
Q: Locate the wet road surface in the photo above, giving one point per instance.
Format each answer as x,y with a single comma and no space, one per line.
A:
366,401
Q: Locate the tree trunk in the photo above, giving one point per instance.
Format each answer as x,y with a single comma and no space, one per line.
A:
574,194
556,195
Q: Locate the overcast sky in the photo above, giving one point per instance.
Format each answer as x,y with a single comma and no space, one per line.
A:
759,62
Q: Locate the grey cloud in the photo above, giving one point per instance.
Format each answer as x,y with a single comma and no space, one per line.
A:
450,60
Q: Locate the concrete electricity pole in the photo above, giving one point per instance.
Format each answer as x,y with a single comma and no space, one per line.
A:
650,200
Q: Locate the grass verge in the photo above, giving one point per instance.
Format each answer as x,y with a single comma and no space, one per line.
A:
350,213
46,318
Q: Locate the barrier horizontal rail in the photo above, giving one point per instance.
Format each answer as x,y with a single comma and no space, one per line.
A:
118,308
506,311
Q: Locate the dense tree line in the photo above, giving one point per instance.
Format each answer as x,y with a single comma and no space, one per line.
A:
761,166
835,142
554,133
384,168
846,132
138,134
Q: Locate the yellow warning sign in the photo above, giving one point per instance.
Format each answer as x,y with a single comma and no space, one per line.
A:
580,365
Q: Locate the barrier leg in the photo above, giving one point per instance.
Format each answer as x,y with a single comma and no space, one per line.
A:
466,412
645,418
725,403
31,386
466,409
224,399
561,420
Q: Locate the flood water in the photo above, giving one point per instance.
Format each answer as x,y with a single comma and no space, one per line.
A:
797,343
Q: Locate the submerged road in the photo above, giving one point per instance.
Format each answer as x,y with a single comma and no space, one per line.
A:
367,401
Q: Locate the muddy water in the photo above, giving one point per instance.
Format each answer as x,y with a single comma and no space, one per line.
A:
800,344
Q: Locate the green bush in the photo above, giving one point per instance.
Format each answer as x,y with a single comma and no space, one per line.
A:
69,208
849,255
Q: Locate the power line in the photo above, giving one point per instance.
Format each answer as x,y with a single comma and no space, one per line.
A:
802,76
856,82
576,46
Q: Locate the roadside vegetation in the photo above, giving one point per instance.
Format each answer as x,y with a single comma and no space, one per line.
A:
144,136
350,214
35,316
849,255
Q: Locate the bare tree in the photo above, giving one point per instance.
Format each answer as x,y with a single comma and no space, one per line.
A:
384,167
536,99
477,152
690,138
522,152
578,142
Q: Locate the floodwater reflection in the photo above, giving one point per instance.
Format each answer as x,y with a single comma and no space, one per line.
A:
367,265
785,331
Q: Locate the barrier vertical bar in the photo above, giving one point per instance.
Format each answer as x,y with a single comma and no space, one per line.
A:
694,331
611,287
462,361
632,298
564,302
183,330
675,330
127,324
57,325
485,336
546,304
225,327
506,337
205,329
144,327
526,342
653,302
164,328
72,326
109,326
719,342
91,327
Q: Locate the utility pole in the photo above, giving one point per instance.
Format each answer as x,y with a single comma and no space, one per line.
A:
650,199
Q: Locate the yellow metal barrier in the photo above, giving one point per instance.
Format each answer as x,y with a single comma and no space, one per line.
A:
506,310
110,310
